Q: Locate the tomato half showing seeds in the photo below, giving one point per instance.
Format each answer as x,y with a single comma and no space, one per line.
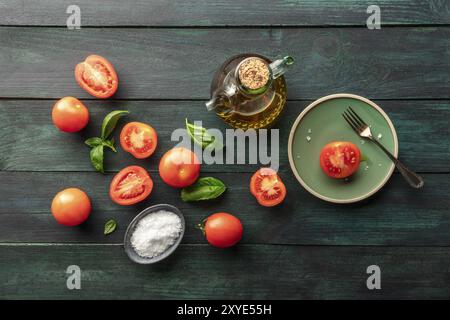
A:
139,139
71,207
340,159
97,76
266,186
222,230
179,167
70,115
131,185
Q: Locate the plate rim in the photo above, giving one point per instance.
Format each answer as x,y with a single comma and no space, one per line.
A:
302,115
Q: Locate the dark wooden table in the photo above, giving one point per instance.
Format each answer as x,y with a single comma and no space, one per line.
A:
165,53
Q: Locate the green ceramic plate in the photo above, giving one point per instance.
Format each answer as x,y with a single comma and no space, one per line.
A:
322,122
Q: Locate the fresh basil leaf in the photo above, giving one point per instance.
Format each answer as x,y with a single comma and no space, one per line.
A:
216,145
97,158
205,188
199,135
93,142
109,144
110,226
110,122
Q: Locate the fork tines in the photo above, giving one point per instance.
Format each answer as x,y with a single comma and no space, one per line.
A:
354,120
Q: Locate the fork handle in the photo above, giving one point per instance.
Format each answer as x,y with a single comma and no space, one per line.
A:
411,177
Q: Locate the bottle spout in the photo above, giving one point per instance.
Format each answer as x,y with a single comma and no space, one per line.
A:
280,66
211,104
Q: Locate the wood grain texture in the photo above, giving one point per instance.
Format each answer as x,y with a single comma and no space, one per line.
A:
397,63
185,13
246,272
397,215
165,53
30,142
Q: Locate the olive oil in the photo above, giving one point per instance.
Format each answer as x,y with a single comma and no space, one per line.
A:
246,108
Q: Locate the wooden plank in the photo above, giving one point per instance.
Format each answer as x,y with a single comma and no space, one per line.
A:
32,143
398,215
396,63
222,13
246,272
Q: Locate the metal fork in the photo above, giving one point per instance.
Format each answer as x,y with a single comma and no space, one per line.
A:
363,130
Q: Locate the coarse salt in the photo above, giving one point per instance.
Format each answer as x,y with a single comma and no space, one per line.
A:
155,233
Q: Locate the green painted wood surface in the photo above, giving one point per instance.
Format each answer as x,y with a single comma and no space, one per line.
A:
247,272
166,53
397,215
396,63
422,128
223,13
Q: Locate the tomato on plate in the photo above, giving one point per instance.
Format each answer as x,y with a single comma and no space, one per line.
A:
266,186
70,115
139,139
71,207
222,230
340,159
131,185
179,167
97,76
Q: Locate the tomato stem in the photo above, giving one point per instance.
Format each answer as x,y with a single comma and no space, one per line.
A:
201,226
363,158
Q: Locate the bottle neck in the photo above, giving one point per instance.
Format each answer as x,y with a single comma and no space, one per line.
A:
280,66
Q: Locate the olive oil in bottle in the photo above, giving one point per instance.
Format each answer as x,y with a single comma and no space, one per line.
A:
249,91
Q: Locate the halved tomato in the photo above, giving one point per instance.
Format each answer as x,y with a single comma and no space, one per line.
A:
340,159
131,185
97,76
266,186
139,139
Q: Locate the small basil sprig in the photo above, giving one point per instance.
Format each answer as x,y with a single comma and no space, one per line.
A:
98,143
201,136
97,157
205,188
110,122
110,226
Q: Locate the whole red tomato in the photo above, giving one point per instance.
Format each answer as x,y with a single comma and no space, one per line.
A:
179,167
70,114
222,230
340,159
71,207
